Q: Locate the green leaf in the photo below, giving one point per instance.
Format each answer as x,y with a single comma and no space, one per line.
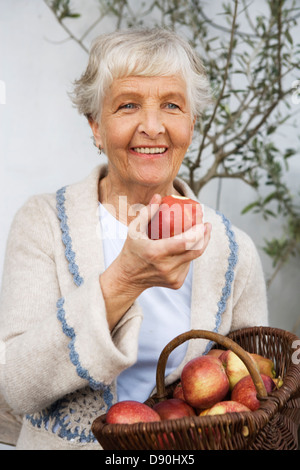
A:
289,37
270,197
251,206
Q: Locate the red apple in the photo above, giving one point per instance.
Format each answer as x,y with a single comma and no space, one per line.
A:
234,366
204,382
177,392
265,365
175,215
129,412
245,392
229,406
173,408
215,352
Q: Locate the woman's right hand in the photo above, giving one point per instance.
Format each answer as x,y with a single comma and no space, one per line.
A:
145,263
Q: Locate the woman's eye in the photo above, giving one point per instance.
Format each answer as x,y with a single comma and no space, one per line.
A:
128,106
172,106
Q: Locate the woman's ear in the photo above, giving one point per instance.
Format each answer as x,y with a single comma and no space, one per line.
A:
96,132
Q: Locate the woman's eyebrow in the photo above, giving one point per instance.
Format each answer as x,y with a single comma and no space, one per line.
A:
173,96
166,95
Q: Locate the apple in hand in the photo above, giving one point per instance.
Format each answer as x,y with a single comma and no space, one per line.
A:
245,392
173,408
175,215
129,412
204,382
234,366
223,407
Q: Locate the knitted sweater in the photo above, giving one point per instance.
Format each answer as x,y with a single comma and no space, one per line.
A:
61,360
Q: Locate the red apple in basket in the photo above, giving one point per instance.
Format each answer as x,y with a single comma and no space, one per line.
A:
173,408
178,392
215,352
234,366
245,392
204,382
129,412
175,215
229,406
264,364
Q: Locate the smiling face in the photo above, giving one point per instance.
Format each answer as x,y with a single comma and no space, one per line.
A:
145,129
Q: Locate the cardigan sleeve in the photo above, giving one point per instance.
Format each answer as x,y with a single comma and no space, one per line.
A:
250,305
54,344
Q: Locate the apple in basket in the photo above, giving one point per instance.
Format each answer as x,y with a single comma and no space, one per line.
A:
204,382
129,412
236,369
234,366
178,392
175,215
223,407
215,352
264,364
229,406
173,408
245,392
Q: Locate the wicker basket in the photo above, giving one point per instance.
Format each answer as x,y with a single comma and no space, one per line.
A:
273,426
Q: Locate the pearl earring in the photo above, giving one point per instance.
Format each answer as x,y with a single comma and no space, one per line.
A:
100,150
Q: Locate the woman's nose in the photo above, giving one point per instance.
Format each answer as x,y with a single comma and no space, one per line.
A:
151,123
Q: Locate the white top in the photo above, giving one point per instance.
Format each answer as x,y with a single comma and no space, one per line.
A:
166,314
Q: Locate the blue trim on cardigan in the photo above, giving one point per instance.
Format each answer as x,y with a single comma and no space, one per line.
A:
229,275
56,419
68,330
74,356
67,241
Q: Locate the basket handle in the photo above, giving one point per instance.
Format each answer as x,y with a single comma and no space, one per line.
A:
216,337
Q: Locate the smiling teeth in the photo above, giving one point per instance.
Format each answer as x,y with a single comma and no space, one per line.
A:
149,150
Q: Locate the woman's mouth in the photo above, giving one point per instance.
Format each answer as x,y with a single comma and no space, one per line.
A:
149,150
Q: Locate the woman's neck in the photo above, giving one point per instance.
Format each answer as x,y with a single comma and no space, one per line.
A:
123,202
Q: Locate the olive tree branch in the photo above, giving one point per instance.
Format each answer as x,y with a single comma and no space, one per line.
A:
290,249
51,5
279,27
207,127
253,131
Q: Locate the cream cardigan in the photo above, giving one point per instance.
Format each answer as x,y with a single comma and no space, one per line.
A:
61,360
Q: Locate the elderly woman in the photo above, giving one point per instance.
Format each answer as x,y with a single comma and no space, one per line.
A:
88,300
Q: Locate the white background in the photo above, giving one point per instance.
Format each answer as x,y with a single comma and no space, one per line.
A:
45,144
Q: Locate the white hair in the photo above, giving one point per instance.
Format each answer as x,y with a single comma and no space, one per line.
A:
139,52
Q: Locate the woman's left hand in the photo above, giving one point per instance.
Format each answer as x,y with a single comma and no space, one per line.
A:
145,263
